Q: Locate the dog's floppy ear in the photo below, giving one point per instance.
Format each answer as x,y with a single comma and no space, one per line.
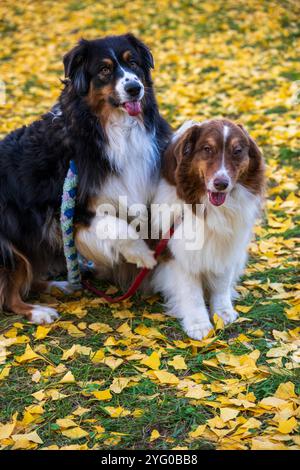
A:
255,175
256,157
189,140
143,50
75,64
180,149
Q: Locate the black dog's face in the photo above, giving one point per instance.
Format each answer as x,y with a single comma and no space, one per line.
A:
111,73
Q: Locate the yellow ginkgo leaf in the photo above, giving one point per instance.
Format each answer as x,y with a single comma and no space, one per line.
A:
218,322
118,412
31,436
197,392
36,377
166,377
55,394
138,412
40,395
198,431
35,409
68,378
100,430
285,391
293,313
5,372
178,363
119,383
264,443
154,435
66,423
76,349
100,327
69,353
75,332
288,425
152,361
243,308
122,314
112,362
80,411
7,429
75,433
226,414
98,356
103,395
28,356
24,444
42,331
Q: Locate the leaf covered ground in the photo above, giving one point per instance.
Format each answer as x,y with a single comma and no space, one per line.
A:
126,376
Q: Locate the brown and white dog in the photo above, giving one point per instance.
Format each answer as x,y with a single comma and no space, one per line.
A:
218,165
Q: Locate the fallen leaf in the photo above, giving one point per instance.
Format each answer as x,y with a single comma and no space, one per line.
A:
178,363
103,395
118,412
152,361
68,378
75,433
166,377
154,435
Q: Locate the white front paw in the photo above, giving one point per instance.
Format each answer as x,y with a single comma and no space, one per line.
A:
227,313
197,330
42,315
138,253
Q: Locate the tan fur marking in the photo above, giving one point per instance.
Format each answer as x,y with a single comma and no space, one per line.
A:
19,284
97,99
127,55
108,62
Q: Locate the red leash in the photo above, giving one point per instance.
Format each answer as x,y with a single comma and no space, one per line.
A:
160,247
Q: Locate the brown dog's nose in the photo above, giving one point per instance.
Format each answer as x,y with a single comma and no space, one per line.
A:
221,183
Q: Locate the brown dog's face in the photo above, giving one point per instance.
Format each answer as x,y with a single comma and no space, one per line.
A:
211,158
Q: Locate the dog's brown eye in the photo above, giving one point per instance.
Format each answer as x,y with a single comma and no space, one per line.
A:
237,151
105,70
207,149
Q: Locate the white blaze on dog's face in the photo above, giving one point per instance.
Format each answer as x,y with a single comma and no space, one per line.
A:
130,89
212,158
220,182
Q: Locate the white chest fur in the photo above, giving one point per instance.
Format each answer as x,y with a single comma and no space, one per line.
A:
226,232
132,151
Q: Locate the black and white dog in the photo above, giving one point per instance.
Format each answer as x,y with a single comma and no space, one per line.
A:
107,120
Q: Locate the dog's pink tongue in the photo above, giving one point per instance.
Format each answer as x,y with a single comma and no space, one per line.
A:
133,108
217,199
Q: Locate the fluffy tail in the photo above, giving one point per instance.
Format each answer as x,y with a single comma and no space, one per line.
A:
7,259
4,286
15,269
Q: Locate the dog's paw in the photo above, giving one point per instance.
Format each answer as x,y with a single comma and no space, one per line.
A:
228,314
198,331
139,254
41,315
63,286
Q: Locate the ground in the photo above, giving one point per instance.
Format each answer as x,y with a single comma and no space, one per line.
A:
125,376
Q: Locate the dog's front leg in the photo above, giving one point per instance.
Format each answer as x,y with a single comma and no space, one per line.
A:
220,296
108,239
183,294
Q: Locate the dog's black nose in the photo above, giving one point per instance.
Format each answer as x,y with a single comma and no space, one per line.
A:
221,183
133,88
